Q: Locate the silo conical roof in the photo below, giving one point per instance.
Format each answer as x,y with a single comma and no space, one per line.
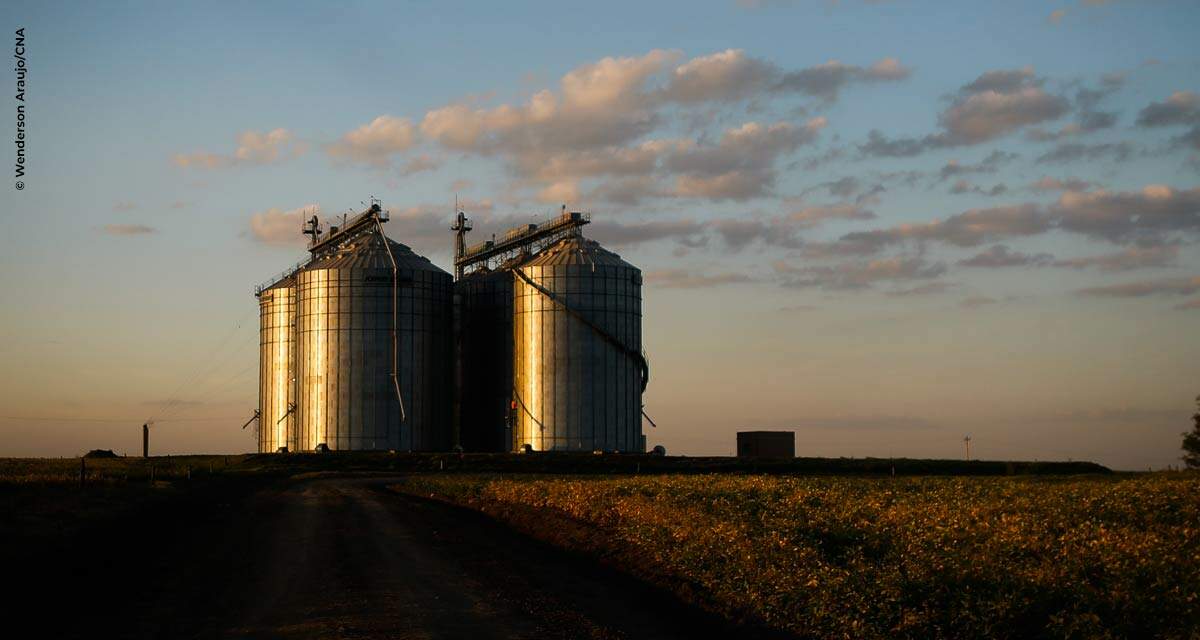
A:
368,252
576,250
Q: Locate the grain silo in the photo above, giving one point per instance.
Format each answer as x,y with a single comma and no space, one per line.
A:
578,367
486,343
276,392
373,350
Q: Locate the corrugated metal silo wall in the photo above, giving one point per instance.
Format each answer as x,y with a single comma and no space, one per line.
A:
487,361
575,390
277,312
344,361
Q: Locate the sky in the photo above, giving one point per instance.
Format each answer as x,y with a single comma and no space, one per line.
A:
884,225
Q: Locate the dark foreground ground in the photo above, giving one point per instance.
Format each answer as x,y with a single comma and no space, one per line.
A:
332,557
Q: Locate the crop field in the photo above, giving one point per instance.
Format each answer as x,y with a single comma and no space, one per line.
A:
1020,557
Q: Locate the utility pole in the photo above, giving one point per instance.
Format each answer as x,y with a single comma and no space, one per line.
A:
967,442
146,440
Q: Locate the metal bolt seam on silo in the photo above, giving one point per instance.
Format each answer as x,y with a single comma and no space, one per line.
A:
578,372
277,313
347,299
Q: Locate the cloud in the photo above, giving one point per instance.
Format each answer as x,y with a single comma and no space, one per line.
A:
983,116
374,143
124,206
813,216
826,81
1054,184
128,229
608,232
927,289
254,148
569,141
990,164
1185,286
1129,259
1056,16
1088,118
1073,151
1181,108
741,165
1189,305
1000,256
974,302
993,105
278,227
858,274
599,104
1124,217
724,76
685,279
963,186
419,164
967,229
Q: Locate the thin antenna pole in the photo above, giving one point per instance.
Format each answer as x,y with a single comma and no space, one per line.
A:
967,442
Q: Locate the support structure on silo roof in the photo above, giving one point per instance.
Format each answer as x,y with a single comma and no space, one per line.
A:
529,239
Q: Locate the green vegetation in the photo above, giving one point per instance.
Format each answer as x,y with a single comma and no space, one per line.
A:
1086,557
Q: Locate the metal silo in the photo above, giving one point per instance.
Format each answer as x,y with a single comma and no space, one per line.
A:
487,356
349,306
579,371
276,393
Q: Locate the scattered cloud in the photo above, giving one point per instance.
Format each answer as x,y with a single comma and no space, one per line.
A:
974,302
1074,151
964,187
685,279
419,164
279,227
617,234
1185,286
931,288
968,229
741,165
374,143
816,215
128,229
1000,256
1149,215
1182,108
1128,259
1056,16
990,164
993,105
254,148
123,206
858,274
1047,183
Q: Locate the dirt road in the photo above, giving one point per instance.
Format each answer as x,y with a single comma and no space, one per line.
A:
347,558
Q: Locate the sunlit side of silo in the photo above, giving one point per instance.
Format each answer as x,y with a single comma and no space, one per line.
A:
578,367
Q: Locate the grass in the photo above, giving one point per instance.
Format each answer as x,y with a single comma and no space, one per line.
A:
1020,557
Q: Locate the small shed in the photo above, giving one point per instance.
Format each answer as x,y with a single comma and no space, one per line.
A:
766,444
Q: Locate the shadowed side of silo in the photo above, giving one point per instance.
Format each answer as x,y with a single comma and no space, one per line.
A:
276,392
487,347
578,369
349,307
